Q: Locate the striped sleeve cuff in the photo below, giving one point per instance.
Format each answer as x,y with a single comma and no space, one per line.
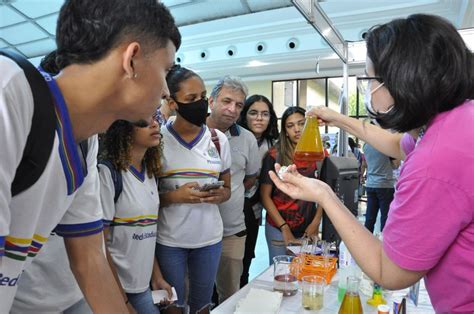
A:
2,246
106,222
79,230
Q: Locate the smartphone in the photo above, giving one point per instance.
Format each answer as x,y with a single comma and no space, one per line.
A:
211,186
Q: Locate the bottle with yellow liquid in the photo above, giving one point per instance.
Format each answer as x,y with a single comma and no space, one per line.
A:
310,145
377,297
351,303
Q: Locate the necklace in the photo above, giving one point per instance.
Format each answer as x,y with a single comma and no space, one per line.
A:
421,133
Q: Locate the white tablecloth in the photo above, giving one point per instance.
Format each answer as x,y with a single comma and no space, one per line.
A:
331,305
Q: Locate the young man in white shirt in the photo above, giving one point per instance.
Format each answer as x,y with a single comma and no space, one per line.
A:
226,102
114,56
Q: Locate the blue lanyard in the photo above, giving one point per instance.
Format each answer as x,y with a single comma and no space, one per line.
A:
54,88
75,176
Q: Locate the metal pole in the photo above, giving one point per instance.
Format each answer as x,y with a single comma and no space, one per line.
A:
315,15
342,142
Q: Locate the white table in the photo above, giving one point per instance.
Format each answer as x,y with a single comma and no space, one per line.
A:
331,305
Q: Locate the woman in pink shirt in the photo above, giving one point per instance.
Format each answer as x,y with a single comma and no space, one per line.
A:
419,81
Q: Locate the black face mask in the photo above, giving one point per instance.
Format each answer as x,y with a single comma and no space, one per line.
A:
193,112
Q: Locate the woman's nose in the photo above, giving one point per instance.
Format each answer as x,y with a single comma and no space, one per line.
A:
154,123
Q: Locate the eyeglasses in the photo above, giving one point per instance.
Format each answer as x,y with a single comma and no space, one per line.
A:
253,114
364,84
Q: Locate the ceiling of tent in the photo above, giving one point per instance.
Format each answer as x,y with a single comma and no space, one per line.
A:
256,39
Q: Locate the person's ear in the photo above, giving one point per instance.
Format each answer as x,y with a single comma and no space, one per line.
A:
128,56
210,100
172,105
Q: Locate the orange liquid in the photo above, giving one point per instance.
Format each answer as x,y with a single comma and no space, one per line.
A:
351,304
310,146
308,156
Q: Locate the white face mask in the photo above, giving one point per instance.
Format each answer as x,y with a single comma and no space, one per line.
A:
368,103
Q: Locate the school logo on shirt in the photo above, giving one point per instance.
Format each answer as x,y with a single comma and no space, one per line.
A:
213,153
144,236
7,281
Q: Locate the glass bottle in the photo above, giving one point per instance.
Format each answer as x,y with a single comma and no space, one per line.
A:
310,146
351,303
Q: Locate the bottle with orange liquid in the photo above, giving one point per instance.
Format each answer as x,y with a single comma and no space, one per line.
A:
351,303
310,146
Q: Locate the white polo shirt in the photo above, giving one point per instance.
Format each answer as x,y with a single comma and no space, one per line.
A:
191,225
132,220
61,199
263,148
246,162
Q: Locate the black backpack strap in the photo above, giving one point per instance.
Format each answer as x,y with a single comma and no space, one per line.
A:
116,178
215,140
41,136
84,149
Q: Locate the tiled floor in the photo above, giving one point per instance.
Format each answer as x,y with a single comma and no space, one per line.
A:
260,262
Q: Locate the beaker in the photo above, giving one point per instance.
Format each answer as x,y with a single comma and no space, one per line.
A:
351,303
310,146
283,280
313,292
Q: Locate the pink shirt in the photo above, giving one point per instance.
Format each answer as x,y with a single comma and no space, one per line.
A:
408,143
431,221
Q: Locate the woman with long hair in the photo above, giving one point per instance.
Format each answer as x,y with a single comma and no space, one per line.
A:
129,195
259,117
419,80
287,218
190,228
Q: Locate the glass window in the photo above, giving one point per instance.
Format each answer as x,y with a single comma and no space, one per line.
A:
334,92
284,96
362,111
312,92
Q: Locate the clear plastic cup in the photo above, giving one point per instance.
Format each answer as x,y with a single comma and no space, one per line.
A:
313,292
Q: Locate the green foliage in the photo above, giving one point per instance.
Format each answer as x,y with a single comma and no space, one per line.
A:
353,105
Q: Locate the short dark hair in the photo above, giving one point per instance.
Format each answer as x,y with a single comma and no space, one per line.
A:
352,143
88,29
271,132
176,76
49,64
425,66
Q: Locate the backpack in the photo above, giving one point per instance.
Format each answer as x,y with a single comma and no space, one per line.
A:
40,139
116,178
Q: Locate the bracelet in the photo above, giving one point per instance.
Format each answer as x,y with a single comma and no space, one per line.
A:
282,225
